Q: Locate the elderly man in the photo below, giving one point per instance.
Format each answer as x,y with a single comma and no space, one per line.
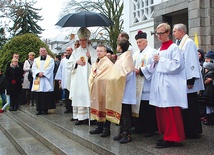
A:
145,121
62,76
191,116
80,66
97,84
43,87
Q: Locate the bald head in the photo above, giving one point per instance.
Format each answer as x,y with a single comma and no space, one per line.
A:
69,51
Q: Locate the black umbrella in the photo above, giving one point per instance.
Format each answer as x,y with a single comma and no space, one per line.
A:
84,19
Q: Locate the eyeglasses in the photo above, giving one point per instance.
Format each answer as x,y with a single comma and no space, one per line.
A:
160,33
83,39
100,51
76,44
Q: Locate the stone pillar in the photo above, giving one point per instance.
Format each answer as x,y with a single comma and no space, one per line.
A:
201,21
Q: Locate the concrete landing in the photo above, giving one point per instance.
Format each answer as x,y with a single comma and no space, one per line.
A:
56,131
140,144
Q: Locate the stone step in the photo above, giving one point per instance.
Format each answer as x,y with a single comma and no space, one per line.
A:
50,137
7,147
105,146
19,141
140,144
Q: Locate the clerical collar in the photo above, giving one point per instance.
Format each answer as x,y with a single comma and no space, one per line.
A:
178,42
43,58
165,45
67,56
143,49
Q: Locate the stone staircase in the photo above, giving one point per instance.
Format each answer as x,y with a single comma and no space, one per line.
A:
33,136
22,132
21,139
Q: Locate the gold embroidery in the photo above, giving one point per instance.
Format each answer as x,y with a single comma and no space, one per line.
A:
36,82
82,59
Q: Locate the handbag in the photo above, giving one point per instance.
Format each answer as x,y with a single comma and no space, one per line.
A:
30,76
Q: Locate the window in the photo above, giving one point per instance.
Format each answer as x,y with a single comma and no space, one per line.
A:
143,10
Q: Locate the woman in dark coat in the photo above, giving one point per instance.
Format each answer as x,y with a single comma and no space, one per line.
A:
14,76
207,95
201,56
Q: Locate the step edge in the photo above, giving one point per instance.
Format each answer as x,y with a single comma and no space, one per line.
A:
13,140
77,138
38,136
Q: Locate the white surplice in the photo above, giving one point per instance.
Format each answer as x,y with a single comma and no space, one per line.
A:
192,66
168,85
63,73
46,82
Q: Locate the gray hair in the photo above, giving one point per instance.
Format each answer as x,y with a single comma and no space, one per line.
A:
181,26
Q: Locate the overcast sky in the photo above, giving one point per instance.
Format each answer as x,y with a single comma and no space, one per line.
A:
50,13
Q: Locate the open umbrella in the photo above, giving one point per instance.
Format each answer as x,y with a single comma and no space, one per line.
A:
84,19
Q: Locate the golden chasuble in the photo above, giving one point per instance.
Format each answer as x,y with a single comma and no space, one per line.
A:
97,84
115,86
38,65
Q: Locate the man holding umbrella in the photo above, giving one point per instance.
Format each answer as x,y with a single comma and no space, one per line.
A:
80,65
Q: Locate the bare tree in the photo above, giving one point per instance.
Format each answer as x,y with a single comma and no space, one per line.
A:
110,8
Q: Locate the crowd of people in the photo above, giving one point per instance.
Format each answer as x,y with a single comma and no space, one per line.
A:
169,90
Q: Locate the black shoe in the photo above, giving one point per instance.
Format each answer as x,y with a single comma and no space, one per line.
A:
159,140
73,119
118,137
79,122
208,122
93,122
164,144
96,131
125,138
67,111
39,113
105,133
11,109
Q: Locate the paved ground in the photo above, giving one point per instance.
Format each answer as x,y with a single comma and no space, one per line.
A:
204,145
140,144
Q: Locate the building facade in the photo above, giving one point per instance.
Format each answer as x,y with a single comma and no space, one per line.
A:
145,15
